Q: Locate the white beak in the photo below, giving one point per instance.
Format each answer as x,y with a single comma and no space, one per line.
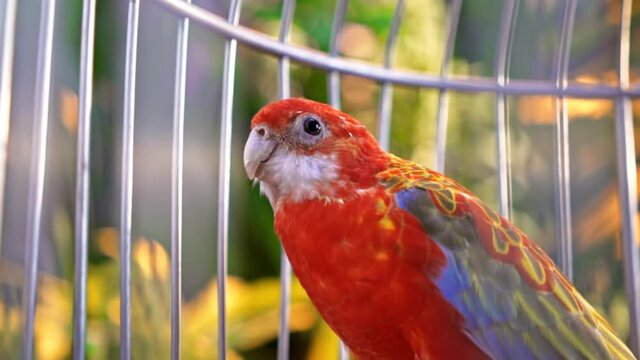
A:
257,151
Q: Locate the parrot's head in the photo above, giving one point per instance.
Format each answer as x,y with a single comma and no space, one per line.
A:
300,149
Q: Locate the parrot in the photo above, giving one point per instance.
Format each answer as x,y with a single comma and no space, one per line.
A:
403,262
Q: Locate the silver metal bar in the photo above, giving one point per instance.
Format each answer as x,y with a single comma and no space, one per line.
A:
442,120
334,76
177,167
501,70
6,75
284,75
82,175
126,200
323,61
343,353
285,298
224,173
386,96
38,167
627,181
562,174
284,91
335,97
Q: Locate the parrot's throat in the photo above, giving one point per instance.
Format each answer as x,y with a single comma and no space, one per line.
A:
289,176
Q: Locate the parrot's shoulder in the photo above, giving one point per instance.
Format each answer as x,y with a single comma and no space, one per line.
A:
403,174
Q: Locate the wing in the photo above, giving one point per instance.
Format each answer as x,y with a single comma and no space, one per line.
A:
516,303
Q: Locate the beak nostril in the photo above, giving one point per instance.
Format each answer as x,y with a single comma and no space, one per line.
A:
261,132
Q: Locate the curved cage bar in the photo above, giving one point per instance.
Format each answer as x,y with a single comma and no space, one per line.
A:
82,176
501,70
323,61
126,192
38,167
443,97
628,181
284,91
177,185
224,182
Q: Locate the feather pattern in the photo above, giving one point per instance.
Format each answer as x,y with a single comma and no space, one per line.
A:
516,303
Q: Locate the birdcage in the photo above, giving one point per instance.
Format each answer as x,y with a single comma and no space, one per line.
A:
555,100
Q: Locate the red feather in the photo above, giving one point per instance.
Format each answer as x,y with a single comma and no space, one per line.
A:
348,265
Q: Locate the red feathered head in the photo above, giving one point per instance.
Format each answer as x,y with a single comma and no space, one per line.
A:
301,149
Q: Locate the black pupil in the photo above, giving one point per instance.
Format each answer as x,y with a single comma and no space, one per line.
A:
312,126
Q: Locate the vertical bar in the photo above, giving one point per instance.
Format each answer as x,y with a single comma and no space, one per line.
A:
82,176
343,351
334,97
38,167
177,167
6,75
284,91
334,76
443,95
285,298
501,69
627,181
126,199
224,173
562,182
284,76
386,97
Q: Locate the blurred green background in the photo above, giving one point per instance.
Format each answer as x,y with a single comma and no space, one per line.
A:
254,249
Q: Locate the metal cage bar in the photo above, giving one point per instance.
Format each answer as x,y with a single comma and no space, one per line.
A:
6,75
323,61
177,170
334,76
501,70
386,96
442,119
334,93
284,91
562,181
82,175
628,181
38,167
126,191
224,170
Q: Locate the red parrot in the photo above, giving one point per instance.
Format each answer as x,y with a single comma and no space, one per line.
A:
403,262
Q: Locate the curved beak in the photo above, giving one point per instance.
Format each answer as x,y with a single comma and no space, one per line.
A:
257,151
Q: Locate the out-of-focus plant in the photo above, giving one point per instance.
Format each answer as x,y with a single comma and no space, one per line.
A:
252,311
253,294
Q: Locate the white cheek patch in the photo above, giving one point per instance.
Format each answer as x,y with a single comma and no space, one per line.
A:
299,177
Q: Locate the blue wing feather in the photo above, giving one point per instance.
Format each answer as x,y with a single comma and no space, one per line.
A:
484,290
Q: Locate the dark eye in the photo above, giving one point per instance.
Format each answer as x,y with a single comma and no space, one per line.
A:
312,126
